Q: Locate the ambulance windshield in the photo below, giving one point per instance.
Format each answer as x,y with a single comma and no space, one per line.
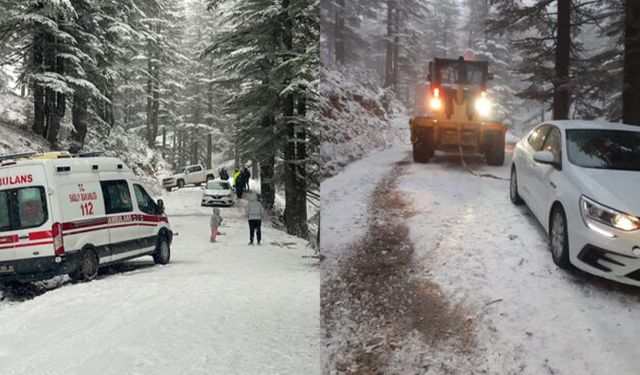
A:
22,208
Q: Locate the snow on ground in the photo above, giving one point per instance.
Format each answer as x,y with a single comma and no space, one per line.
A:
224,308
492,259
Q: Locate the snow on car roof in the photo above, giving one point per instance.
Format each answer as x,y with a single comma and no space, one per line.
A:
586,124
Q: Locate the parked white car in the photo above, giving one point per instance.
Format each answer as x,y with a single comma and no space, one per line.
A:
581,180
217,193
191,175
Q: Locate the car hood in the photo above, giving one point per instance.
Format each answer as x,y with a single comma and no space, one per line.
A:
613,188
217,192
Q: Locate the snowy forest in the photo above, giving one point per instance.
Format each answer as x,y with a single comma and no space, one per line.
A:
178,80
560,59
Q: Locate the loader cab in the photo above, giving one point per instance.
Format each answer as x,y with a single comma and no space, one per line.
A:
457,83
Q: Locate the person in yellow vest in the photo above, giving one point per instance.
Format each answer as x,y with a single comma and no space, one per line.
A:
234,178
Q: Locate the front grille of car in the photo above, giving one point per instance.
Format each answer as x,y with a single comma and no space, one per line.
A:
593,256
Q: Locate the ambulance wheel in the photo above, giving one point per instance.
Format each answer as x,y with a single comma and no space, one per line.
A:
180,184
88,268
163,252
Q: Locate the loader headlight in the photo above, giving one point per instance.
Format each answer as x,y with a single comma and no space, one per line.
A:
593,211
435,103
483,106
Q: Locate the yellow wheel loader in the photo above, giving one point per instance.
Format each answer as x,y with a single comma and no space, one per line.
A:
455,114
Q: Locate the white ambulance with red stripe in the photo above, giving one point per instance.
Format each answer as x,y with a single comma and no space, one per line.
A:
71,214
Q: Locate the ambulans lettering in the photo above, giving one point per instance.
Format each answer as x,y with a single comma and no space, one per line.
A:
17,180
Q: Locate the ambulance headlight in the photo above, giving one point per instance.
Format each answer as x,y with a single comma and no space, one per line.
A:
483,106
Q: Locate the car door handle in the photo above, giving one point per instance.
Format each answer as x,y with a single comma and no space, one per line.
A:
25,237
552,184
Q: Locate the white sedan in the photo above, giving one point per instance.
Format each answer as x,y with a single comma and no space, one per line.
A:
217,193
581,180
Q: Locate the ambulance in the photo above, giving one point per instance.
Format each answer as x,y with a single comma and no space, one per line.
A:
72,214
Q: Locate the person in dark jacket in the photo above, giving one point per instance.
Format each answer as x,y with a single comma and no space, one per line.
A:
247,176
224,175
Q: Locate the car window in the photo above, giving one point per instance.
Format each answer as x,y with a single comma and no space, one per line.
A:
553,143
604,149
145,202
23,208
117,197
537,136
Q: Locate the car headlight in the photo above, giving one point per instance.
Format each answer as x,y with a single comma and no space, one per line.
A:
592,210
483,106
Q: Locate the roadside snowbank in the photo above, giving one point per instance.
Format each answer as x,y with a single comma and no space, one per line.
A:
358,117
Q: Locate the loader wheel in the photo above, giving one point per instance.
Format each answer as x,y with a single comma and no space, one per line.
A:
423,148
494,148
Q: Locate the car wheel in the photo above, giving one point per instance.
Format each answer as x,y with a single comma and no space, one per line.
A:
513,188
180,184
162,254
88,268
168,189
559,238
209,177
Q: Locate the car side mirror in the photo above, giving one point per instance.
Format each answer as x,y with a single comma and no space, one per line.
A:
161,206
544,157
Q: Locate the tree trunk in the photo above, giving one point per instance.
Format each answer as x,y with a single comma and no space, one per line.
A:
301,170
173,148
267,171
388,77
295,217
209,150
79,118
339,32
38,91
561,89
631,88
396,49
150,90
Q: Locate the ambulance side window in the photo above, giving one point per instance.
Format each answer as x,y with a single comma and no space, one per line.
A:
145,202
117,197
5,223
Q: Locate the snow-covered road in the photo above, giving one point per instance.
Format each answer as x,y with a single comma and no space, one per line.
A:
490,260
226,308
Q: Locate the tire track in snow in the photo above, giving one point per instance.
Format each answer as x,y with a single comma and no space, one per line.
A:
378,314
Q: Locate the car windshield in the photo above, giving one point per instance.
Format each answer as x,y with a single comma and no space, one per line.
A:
22,208
218,185
604,149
